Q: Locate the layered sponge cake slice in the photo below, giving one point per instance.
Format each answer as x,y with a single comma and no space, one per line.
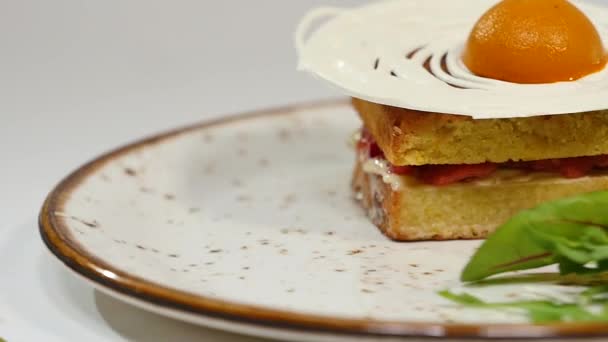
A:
431,176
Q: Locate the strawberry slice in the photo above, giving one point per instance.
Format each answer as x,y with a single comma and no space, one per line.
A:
441,175
576,167
549,165
403,170
375,151
367,144
601,160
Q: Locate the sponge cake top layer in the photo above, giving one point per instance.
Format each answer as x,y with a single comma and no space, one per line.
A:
409,137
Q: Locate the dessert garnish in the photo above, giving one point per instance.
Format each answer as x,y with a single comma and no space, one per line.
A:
484,59
534,41
571,233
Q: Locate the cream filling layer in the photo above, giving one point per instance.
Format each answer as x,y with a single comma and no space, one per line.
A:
381,167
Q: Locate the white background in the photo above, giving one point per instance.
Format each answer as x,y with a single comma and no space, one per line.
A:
79,77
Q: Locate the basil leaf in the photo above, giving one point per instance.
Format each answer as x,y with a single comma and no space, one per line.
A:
513,248
567,266
464,298
596,294
538,311
574,248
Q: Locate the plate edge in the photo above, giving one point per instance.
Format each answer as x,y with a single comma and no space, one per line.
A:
56,238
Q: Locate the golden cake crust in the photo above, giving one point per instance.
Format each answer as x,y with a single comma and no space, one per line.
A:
410,137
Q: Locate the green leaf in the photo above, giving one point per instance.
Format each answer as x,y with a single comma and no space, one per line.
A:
567,266
602,265
545,235
581,244
595,294
538,311
464,298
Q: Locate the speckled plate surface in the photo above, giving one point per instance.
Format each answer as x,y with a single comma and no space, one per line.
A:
248,224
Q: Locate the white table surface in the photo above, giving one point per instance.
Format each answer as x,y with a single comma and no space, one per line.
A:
79,77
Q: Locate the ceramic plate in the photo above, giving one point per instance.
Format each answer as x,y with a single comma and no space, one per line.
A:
248,224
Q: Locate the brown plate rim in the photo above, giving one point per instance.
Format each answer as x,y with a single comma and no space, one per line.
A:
55,234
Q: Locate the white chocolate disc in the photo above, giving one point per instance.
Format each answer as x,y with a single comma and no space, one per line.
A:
377,53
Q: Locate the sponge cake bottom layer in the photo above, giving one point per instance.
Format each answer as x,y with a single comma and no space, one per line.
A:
411,211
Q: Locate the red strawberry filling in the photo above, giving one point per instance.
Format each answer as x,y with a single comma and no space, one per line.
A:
440,175
367,145
448,174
